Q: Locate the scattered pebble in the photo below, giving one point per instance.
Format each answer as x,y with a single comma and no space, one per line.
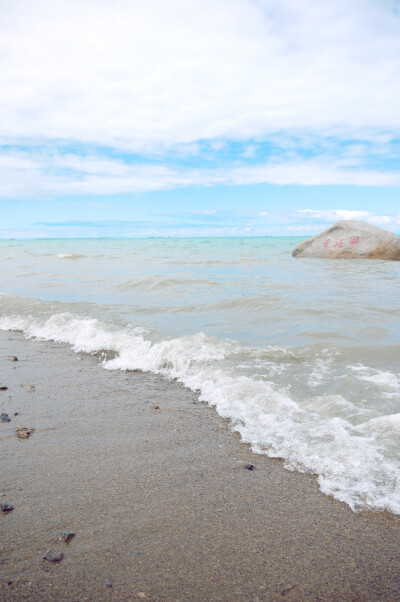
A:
66,536
53,556
155,407
13,358
248,466
3,388
16,413
4,417
108,584
29,388
23,433
6,507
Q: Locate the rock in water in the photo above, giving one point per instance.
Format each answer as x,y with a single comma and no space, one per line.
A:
351,239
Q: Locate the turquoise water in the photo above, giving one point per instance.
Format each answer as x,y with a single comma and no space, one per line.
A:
301,354
250,289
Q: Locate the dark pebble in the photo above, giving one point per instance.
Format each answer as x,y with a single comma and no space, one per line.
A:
3,388
109,585
13,358
53,556
16,413
249,466
6,507
66,536
4,417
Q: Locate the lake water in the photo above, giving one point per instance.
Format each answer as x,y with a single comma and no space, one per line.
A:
303,355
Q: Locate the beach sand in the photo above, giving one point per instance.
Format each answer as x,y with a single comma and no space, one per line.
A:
159,500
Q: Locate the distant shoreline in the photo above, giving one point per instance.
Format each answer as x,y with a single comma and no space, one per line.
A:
156,237
252,236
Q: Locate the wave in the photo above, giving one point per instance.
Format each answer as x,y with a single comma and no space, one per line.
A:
245,260
160,282
70,256
355,463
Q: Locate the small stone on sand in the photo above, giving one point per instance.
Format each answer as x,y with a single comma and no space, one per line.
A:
155,407
23,433
66,536
4,417
29,388
6,507
3,388
248,466
53,556
13,358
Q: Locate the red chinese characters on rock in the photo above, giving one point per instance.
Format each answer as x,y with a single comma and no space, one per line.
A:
339,244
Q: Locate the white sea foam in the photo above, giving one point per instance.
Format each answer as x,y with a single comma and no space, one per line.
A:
356,461
70,256
380,378
320,369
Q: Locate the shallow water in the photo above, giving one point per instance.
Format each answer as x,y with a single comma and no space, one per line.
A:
302,354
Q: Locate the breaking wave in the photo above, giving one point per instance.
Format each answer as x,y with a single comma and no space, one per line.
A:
274,397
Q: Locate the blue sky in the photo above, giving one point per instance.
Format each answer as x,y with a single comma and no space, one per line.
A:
182,118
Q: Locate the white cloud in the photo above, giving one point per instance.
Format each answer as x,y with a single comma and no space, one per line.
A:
214,223
391,222
336,214
307,228
43,175
151,75
312,172
180,80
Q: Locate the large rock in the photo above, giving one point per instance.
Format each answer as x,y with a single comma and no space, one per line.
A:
351,239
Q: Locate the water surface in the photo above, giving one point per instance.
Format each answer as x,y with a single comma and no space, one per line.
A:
302,354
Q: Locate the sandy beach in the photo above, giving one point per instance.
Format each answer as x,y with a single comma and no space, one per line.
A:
154,486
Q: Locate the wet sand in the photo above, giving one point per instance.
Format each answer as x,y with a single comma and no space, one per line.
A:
159,499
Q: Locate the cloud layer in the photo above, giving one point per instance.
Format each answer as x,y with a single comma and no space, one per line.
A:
148,75
229,223
41,175
131,96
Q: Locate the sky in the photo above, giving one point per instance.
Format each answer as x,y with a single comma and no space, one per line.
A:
198,117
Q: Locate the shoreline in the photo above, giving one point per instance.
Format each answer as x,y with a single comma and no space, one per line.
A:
159,500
